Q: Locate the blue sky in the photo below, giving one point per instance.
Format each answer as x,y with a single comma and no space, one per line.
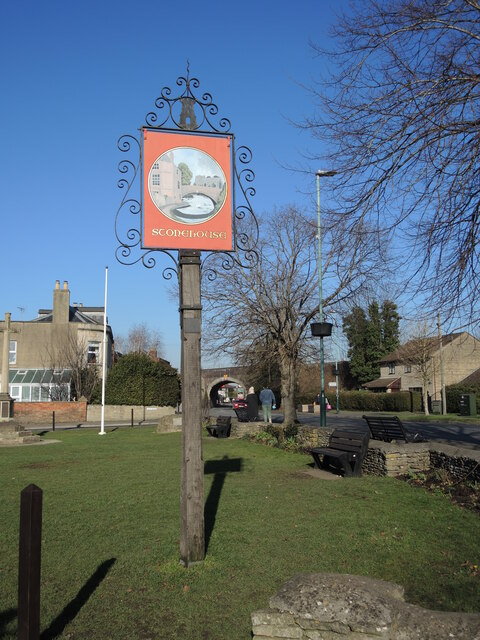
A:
78,75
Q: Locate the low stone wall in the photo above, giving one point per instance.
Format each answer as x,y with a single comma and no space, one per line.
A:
396,459
42,412
324,606
313,437
169,423
123,412
461,463
241,429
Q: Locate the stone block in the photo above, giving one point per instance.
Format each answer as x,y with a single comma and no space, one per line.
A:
269,617
286,632
335,606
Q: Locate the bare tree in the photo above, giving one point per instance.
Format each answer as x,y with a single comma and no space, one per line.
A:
418,353
263,314
140,339
66,360
400,114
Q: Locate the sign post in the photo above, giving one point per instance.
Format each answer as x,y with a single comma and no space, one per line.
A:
187,174
192,528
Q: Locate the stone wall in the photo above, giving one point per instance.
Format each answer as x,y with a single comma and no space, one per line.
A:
312,437
42,412
323,606
241,429
392,459
461,463
123,412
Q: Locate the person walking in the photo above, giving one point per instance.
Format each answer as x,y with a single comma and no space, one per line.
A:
267,399
252,405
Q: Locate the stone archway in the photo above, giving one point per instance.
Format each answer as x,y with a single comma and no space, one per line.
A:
215,384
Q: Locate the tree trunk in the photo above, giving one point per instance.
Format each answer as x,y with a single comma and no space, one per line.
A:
288,373
425,401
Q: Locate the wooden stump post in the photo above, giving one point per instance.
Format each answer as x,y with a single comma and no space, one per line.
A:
192,527
30,546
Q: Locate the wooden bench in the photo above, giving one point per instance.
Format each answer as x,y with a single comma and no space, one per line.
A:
389,429
345,452
222,427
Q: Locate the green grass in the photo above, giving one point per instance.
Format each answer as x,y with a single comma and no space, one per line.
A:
111,504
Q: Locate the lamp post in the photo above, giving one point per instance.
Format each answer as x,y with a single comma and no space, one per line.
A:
321,329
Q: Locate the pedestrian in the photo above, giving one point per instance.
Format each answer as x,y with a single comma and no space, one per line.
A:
267,399
252,405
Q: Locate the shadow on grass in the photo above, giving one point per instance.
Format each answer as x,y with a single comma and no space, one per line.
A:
5,617
72,609
219,468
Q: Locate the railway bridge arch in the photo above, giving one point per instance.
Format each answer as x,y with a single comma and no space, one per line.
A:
214,379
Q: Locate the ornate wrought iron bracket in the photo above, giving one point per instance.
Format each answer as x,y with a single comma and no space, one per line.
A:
186,111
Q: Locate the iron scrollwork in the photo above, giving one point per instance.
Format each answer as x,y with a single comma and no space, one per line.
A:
185,112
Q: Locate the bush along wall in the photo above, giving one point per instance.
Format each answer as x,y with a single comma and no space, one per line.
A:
368,401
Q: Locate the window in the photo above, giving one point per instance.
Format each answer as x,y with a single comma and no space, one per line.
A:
93,354
391,368
155,179
408,369
12,355
15,392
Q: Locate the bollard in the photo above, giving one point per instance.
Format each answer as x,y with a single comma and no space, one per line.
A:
131,418
53,420
30,546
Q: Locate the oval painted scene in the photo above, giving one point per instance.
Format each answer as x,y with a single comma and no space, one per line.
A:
187,185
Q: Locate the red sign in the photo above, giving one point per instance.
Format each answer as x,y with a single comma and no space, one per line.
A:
187,191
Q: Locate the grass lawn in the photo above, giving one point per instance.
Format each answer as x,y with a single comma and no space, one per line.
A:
110,559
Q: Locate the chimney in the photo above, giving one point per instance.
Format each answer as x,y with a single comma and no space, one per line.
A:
61,303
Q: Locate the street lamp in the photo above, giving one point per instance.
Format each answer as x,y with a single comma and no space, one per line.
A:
321,329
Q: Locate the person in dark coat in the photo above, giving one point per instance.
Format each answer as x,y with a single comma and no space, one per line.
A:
252,405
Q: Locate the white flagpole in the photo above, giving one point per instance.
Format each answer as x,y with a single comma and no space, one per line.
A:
104,358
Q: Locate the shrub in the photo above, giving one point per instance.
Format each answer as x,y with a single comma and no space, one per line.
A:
291,431
453,396
137,379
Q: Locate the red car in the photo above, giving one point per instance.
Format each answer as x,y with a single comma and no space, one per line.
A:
239,403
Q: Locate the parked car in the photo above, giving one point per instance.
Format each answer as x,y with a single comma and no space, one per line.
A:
239,403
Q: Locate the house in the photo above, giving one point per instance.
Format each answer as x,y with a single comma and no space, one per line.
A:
46,353
417,362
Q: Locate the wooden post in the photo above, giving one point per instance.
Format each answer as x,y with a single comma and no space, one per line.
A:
30,546
192,528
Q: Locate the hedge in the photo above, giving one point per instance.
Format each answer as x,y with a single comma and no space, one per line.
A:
137,379
368,401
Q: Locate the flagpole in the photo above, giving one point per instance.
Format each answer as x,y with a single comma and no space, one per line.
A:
104,357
